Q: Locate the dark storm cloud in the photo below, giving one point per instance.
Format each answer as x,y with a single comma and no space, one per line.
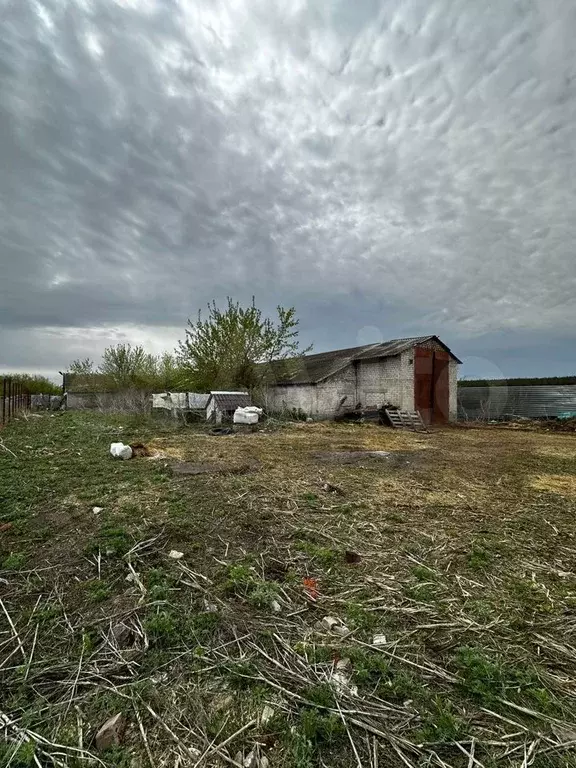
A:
399,166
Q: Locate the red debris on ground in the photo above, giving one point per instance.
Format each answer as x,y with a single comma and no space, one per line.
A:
311,587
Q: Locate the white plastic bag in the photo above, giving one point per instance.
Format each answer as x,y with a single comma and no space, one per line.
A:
120,451
247,415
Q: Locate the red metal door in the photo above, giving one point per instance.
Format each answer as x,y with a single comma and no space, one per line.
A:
432,384
423,382
441,406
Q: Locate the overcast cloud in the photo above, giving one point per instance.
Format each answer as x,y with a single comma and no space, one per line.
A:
390,168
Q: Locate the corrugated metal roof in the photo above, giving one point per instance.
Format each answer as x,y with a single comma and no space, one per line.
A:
229,401
312,369
502,402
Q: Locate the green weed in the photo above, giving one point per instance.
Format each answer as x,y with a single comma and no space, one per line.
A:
241,675
423,573
49,612
482,677
202,626
489,678
320,727
263,594
97,589
159,583
369,669
533,597
311,500
239,579
321,694
301,750
14,561
479,558
17,756
111,540
315,654
440,723
162,628
422,593
358,617
324,556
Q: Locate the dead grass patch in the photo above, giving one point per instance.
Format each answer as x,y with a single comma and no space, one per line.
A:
558,451
565,485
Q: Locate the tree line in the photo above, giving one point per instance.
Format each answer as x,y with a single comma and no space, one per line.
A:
232,348
527,382
33,384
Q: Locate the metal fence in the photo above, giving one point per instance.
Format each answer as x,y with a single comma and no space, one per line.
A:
13,399
500,402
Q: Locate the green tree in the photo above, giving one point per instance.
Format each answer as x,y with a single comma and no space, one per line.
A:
168,375
233,347
126,366
82,367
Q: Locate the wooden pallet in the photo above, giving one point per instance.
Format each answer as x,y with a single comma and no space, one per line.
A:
409,420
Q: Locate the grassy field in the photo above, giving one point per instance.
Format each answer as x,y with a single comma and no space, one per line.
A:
257,647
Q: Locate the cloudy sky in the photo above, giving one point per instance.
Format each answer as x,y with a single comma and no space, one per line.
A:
390,168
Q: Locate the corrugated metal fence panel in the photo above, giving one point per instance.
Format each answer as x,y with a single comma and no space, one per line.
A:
502,402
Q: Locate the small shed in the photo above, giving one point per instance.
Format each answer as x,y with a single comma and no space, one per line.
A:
221,405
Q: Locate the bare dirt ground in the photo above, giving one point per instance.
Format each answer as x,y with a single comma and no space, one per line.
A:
416,609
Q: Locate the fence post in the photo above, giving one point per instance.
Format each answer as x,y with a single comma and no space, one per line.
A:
3,400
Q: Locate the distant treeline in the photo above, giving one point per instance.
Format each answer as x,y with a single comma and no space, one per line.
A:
541,382
33,384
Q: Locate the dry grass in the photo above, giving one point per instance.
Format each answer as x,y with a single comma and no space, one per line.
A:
458,552
564,485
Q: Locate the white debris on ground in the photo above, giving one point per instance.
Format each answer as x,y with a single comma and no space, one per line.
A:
248,415
341,680
120,451
267,715
329,622
175,555
335,625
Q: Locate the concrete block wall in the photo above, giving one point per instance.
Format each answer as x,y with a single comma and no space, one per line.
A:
407,379
370,382
294,397
380,381
453,401
330,393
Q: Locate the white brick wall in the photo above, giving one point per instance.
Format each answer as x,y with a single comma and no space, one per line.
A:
380,381
407,380
453,402
303,396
